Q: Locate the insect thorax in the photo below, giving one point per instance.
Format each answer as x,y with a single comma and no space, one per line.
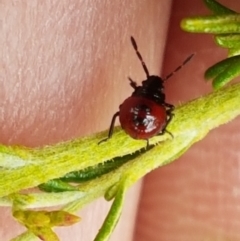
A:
152,89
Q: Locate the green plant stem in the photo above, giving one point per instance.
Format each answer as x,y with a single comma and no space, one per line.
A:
190,121
113,216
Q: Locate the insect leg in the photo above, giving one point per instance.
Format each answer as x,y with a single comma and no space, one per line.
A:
169,106
170,115
132,83
110,133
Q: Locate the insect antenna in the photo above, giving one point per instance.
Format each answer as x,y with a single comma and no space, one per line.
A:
179,67
134,44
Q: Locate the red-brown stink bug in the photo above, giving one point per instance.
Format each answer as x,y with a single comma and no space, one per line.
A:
145,113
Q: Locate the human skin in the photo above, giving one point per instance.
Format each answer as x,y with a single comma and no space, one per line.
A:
64,68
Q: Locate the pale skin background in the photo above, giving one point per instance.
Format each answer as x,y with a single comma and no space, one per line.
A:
64,67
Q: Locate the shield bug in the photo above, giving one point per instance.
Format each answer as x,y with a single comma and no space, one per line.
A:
145,113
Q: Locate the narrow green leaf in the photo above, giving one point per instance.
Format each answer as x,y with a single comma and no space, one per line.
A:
32,218
41,200
214,24
220,67
56,185
44,233
218,8
40,222
26,236
224,71
102,168
226,76
62,218
233,52
228,40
